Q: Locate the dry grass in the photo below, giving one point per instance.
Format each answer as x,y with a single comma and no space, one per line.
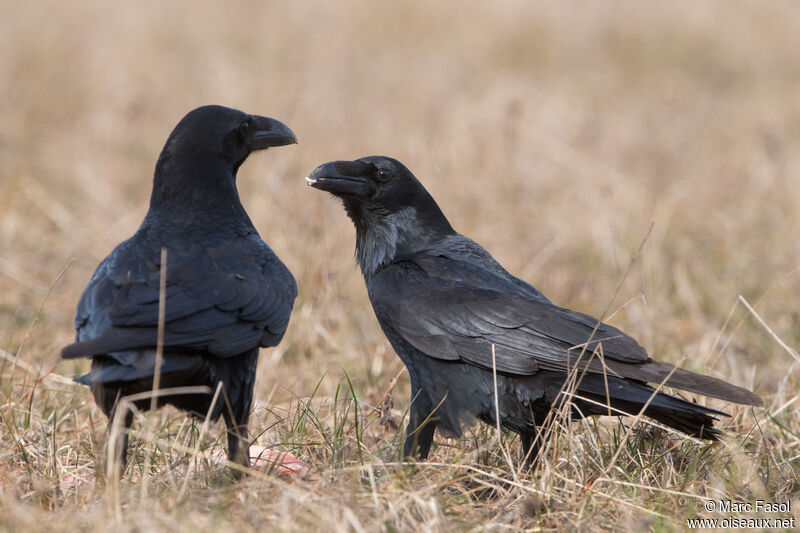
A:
554,134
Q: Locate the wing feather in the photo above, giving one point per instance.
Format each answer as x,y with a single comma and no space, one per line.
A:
451,309
225,298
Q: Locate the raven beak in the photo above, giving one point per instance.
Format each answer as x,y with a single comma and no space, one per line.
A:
342,178
270,132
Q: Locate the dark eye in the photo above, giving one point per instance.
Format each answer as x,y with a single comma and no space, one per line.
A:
384,175
243,127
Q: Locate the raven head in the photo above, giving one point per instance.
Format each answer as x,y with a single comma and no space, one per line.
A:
393,213
207,147
221,131
376,184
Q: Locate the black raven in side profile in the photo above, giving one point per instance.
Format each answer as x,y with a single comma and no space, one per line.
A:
453,314
226,292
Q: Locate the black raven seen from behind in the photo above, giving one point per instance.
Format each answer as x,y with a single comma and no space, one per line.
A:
453,314
226,292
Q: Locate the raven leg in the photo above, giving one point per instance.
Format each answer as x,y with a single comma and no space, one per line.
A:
238,379
118,449
109,399
419,433
236,420
530,448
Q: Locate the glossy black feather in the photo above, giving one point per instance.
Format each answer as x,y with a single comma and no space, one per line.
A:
226,293
235,292
444,303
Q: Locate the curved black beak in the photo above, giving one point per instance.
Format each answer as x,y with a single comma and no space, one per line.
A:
269,132
342,178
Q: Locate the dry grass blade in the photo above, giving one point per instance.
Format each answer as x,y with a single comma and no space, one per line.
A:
772,334
162,311
50,377
503,448
551,135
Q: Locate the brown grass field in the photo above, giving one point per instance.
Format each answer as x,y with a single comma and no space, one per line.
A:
554,134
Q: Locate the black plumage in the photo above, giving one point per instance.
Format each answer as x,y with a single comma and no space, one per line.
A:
444,302
226,292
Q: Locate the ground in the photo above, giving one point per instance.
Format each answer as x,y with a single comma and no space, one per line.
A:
558,135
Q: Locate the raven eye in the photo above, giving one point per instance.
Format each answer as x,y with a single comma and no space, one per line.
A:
384,175
243,127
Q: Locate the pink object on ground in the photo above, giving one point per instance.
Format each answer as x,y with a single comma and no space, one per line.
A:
262,458
281,463
265,459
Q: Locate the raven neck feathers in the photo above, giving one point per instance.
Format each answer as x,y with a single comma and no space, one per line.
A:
199,181
378,241
383,237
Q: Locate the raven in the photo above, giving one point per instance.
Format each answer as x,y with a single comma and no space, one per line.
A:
457,318
226,292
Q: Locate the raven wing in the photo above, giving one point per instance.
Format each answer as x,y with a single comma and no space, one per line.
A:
225,297
453,309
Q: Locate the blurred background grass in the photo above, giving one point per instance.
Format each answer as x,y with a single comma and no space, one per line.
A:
551,133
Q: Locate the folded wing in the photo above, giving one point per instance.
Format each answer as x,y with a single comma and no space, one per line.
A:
453,309
224,299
